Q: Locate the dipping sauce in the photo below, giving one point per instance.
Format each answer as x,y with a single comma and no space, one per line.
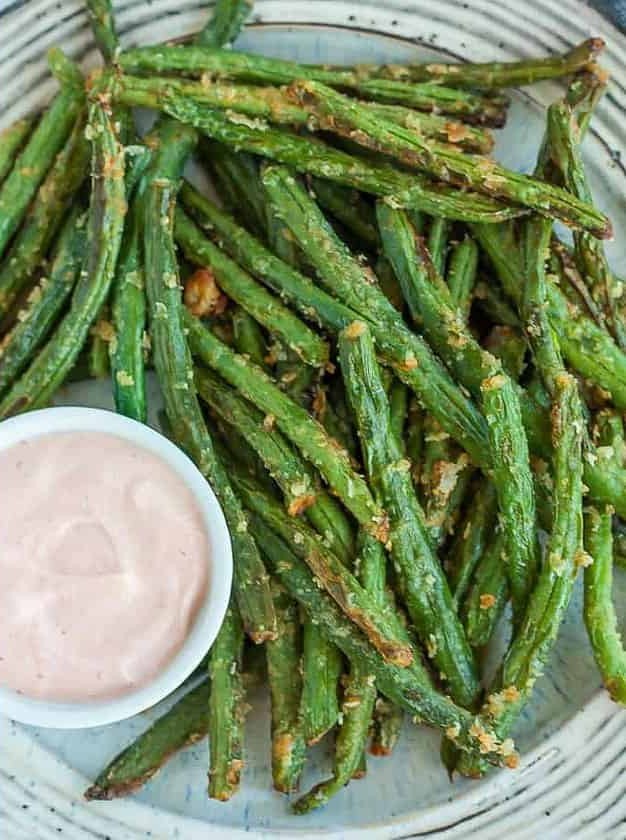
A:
104,563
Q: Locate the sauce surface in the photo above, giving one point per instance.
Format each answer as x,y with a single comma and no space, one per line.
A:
104,563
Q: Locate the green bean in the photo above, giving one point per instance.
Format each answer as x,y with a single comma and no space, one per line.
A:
514,485
381,627
45,302
100,14
44,216
415,439
110,347
260,69
422,583
398,408
322,666
472,535
36,158
359,694
599,613
508,345
312,156
532,643
388,721
438,235
226,708
461,276
535,238
495,306
175,372
99,340
492,74
128,347
487,594
274,105
226,22
339,114
350,208
12,138
185,723
564,140
284,664
281,461
586,348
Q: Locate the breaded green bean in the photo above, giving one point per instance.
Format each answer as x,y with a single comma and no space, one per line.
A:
599,612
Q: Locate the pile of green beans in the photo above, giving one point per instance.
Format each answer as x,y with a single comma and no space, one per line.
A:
375,355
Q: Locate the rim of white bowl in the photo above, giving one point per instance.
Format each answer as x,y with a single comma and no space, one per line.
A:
211,613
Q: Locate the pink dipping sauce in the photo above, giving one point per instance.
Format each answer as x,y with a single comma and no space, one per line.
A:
104,563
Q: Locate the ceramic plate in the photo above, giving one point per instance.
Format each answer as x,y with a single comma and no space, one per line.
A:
573,776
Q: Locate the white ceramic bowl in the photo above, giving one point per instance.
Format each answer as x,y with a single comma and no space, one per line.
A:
211,613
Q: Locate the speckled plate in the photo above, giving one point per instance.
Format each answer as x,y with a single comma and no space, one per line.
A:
573,776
